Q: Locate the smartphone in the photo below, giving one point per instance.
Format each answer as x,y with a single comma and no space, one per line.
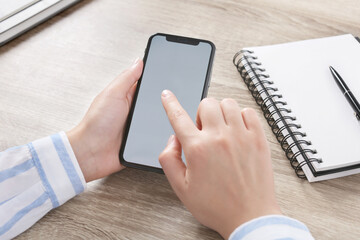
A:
179,64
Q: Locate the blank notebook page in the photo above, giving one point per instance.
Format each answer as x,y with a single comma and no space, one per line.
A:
301,72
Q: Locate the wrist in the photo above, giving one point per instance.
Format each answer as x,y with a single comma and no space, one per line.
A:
239,220
82,153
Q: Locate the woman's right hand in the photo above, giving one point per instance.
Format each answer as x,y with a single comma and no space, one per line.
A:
227,179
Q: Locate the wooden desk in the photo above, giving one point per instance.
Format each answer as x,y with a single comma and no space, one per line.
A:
50,75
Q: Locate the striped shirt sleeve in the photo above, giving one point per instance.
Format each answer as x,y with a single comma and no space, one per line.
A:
270,228
34,179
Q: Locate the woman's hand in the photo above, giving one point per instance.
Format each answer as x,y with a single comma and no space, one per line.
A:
227,179
97,139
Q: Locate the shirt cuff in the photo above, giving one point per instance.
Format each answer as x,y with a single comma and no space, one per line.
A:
58,168
272,227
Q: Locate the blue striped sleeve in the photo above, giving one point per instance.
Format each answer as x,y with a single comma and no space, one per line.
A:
68,163
60,166
34,179
272,227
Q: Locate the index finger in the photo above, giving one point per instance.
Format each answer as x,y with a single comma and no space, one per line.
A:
178,117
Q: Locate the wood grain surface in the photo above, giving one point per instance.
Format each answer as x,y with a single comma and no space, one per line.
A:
50,75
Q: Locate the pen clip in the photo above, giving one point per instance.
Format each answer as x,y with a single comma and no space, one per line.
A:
357,116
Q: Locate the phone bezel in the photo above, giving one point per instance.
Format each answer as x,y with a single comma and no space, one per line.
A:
172,38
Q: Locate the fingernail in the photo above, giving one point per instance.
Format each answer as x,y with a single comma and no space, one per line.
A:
171,140
136,61
165,93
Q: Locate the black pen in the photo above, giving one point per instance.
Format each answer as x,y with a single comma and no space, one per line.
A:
347,93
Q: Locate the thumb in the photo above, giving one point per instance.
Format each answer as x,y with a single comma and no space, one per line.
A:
172,164
124,82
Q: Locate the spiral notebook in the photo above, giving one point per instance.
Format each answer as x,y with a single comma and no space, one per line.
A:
304,107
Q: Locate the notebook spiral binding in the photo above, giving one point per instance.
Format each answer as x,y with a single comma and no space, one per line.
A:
272,104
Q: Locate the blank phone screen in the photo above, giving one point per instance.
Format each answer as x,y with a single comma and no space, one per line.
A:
179,67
